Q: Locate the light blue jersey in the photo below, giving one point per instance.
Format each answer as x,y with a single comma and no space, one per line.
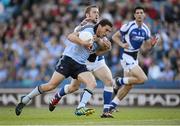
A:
77,52
92,57
134,35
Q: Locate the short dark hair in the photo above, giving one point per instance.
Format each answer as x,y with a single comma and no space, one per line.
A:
88,9
138,8
105,22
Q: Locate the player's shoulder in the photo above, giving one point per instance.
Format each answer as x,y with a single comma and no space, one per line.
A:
87,26
146,27
127,25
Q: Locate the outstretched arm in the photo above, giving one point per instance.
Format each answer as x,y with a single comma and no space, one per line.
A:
150,43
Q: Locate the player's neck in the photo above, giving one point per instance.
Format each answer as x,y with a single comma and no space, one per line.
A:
139,23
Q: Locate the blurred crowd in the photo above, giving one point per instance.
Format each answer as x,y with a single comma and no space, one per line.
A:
32,34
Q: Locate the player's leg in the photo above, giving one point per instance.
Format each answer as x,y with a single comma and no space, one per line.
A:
130,63
52,84
104,74
135,72
89,80
137,77
66,89
121,93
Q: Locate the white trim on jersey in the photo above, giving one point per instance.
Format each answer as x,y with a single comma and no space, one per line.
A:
126,29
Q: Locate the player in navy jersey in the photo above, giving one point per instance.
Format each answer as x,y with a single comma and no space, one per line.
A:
131,37
75,54
95,63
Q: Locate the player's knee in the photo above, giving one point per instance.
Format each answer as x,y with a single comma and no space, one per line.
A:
143,79
73,88
129,87
92,84
108,81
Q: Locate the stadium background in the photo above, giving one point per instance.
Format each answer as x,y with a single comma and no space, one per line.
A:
32,33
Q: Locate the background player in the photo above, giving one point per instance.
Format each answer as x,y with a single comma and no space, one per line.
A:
131,37
79,71
95,63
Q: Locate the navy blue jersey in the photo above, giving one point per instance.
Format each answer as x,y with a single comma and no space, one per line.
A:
134,35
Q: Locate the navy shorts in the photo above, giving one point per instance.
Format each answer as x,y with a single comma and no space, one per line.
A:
69,67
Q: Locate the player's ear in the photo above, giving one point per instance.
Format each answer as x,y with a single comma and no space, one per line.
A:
144,15
87,15
134,16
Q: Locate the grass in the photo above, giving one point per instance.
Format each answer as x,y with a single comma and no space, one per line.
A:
65,116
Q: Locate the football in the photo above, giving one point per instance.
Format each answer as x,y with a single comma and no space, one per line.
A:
85,36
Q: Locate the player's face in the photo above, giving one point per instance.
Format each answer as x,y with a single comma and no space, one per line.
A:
139,15
103,31
94,15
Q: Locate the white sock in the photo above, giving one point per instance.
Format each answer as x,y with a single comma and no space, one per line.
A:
116,100
86,96
32,94
66,89
125,79
107,88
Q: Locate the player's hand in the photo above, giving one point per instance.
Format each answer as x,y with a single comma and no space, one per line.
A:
95,38
88,44
155,39
125,45
103,42
107,43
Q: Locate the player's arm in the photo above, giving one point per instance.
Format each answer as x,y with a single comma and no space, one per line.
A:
150,43
117,39
84,22
74,37
101,52
105,47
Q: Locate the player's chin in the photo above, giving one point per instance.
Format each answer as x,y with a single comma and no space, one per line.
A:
102,36
95,21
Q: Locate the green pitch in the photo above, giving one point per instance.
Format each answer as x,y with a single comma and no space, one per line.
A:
65,116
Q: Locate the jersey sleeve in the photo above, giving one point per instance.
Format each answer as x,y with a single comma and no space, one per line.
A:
89,30
77,28
124,29
148,34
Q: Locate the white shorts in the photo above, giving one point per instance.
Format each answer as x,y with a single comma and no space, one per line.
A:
128,62
93,66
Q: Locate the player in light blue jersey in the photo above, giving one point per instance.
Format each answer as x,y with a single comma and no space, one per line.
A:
72,63
95,63
132,37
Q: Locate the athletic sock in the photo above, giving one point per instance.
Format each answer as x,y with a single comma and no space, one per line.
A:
122,81
33,93
115,102
63,91
85,97
107,95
